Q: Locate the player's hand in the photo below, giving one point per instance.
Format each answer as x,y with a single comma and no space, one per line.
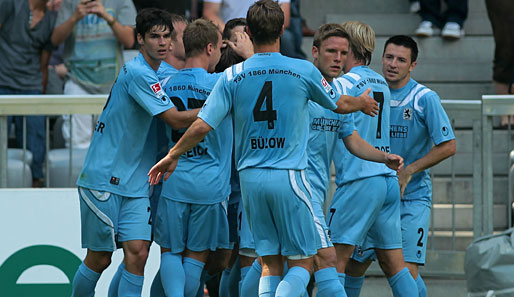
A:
164,167
394,162
404,178
369,105
242,44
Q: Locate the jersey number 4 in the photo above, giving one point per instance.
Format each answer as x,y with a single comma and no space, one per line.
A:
268,114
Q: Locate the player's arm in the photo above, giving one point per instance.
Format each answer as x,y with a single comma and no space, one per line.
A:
179,119
210,12
364,103
360,148
64,30
437,154
286,8
167,165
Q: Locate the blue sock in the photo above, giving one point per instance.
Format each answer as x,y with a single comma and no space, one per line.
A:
224,282
250,286
193,271
130,284
115,282
84,282
353,285
328,283
422,289
294,283
244,272
268,285
156,290
403,284
173,277
341,277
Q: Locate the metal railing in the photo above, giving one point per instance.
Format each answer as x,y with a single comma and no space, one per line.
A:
477,113
23,105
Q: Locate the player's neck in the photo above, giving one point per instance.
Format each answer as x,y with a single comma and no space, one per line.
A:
154,63
267,48
350,63
176,63
399,84
199,61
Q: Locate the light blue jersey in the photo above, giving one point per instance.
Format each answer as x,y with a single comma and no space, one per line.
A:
326,129
270,117
123,149
164,73
374,130
418,121
203,173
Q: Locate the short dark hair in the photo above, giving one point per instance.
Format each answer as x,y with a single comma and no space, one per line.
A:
227,32
407,42
198,35
265,21
148,18
176,18
329,30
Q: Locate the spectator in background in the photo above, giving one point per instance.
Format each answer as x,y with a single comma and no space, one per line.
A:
500,15
220,11
56,68
180,7
25,46
94,33
452,19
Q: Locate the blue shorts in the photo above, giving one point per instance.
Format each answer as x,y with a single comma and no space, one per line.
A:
279,212
415,215
367,208
415,218
108,219
246,243
321,224
197,227
155,194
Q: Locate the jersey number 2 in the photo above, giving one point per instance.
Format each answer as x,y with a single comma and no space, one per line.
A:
268,114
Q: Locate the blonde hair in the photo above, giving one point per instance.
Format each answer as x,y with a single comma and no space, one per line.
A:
362,40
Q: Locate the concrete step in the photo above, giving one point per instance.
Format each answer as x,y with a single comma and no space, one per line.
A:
377,286
461,90
443,240
443,214
387,24
465,63
463,187
315,15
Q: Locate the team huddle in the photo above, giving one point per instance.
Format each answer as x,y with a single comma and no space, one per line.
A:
251,136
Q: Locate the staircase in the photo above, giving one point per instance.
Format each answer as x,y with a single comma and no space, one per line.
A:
459,70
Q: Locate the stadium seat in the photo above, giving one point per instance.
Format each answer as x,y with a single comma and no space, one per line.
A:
58,167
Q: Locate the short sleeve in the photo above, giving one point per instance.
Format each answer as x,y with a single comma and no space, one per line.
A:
126,14
348,125
218,104
320,90
213,1
148,93
435,117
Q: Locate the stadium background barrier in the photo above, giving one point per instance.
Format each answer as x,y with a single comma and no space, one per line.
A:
439,262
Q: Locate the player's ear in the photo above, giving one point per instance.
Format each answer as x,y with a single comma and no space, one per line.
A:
140,39
413,65
315,52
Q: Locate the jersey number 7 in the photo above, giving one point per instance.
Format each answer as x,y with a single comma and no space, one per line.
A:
268,114
379,97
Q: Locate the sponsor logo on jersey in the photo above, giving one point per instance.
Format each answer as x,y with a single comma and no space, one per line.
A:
398,131
324,124
407,114
326,85
157,90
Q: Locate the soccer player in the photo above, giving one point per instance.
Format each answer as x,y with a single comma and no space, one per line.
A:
368,196
267,97
422,133
113,188
329,50
191,217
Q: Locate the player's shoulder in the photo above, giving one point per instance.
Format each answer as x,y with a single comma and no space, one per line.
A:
420,95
